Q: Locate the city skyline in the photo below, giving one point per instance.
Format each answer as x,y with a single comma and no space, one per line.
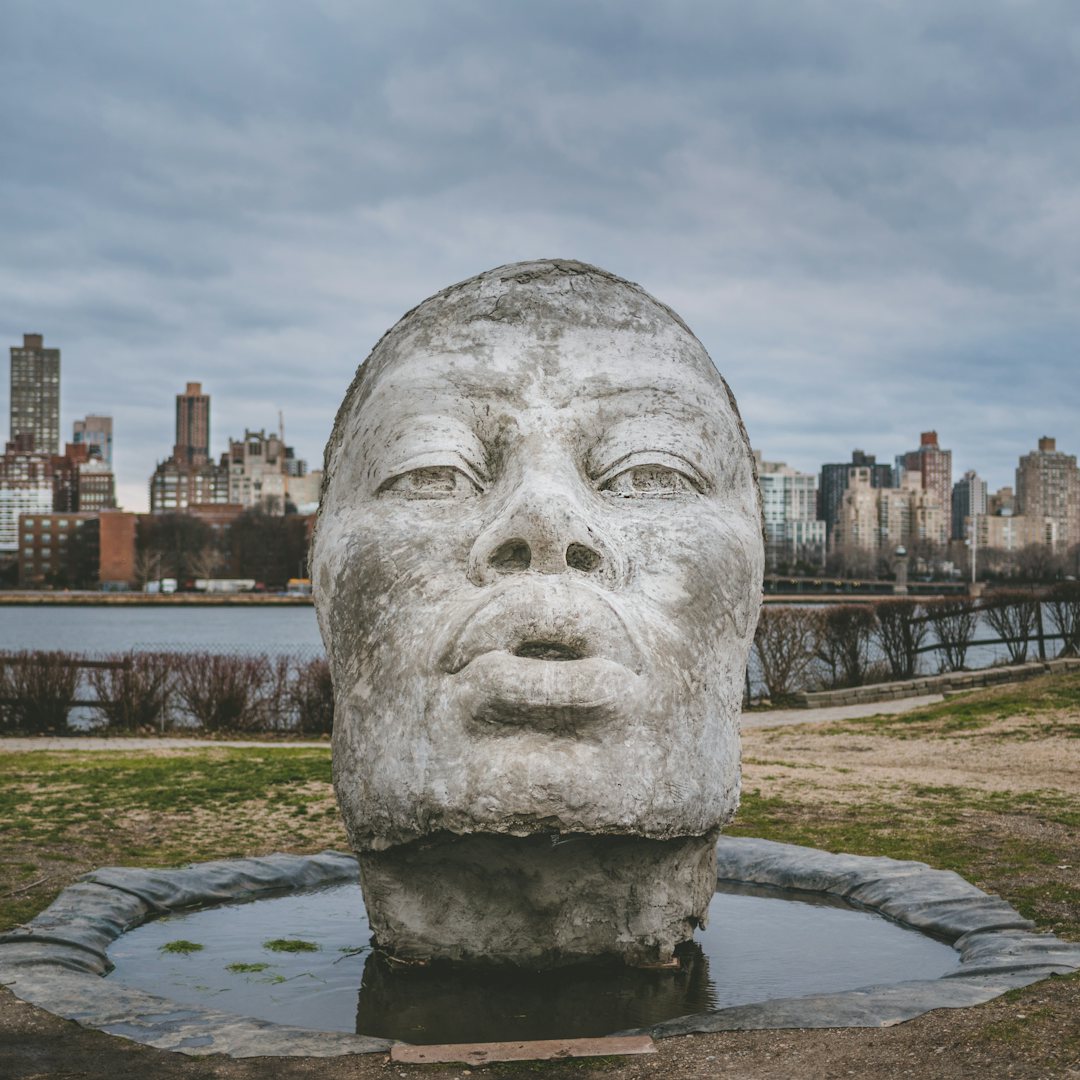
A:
138,490
867,221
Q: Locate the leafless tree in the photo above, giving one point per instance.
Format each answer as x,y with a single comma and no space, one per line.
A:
786,642
134,693
954,620
1063,604
844,645
901,630
1013,616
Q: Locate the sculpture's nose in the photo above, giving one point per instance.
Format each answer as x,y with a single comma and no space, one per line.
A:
543,526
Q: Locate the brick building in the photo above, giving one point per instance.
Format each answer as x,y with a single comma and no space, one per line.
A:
77,549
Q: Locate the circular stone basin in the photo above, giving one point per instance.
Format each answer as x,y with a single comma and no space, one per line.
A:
304,959
57,959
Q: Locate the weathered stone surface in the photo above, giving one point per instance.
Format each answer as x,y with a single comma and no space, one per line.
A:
872,1006
480,898
537,572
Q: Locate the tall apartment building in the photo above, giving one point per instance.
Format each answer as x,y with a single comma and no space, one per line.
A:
35,393
95,432
189,477
192,445
1048,486
789,504
934,467
879,520
856,524
26,487
969,500
834,482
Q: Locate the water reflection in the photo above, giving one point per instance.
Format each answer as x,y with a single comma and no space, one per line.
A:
759,944
459,1003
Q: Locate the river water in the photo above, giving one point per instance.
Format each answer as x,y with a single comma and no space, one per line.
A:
118,628
99,631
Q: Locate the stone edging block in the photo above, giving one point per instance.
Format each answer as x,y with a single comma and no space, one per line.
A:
56,961
933,684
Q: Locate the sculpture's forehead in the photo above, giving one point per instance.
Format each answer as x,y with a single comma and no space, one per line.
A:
556,364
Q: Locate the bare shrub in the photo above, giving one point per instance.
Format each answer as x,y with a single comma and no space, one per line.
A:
277,712
954,620
134,692
224,693
40,689
786,641
901,630
7,713
1013,616
312,695
844,645
1063,603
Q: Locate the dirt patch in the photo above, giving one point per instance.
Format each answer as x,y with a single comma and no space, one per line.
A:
1030,1033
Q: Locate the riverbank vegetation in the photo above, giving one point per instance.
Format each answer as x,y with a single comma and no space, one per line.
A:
847,645
157,692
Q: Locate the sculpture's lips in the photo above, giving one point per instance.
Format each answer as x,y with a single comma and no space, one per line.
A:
545,625
520,692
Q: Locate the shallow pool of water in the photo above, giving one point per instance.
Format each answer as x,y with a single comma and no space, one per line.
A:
759,945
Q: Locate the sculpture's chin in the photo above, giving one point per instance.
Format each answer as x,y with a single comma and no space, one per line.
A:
537,900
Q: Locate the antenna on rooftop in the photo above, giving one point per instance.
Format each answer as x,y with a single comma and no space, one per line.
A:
281,452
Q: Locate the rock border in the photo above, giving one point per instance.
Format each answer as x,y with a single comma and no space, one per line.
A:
56,961
949,682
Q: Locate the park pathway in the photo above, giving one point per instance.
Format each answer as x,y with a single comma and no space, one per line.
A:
764,718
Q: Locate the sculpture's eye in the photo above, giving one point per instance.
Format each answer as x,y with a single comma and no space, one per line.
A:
432,482
651,479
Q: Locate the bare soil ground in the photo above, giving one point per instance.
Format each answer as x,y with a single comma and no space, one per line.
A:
987,784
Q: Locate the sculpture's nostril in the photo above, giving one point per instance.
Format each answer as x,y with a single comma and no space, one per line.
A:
580,557
511,556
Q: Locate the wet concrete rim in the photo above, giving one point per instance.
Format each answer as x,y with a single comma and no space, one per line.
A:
56,961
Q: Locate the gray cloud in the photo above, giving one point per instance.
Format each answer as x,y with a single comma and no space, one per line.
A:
867,212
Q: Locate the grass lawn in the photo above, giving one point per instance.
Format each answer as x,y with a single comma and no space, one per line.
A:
987,784
63,813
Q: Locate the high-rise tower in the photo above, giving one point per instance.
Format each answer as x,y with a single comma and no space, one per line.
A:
35,393
968,501
192,426
834,482
1048,486
935,466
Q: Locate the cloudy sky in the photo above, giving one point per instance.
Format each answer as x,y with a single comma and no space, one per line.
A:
868,212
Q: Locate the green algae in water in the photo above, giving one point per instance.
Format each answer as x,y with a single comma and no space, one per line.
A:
290,945
181,946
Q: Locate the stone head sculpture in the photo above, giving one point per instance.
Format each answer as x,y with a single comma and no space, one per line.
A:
537,573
